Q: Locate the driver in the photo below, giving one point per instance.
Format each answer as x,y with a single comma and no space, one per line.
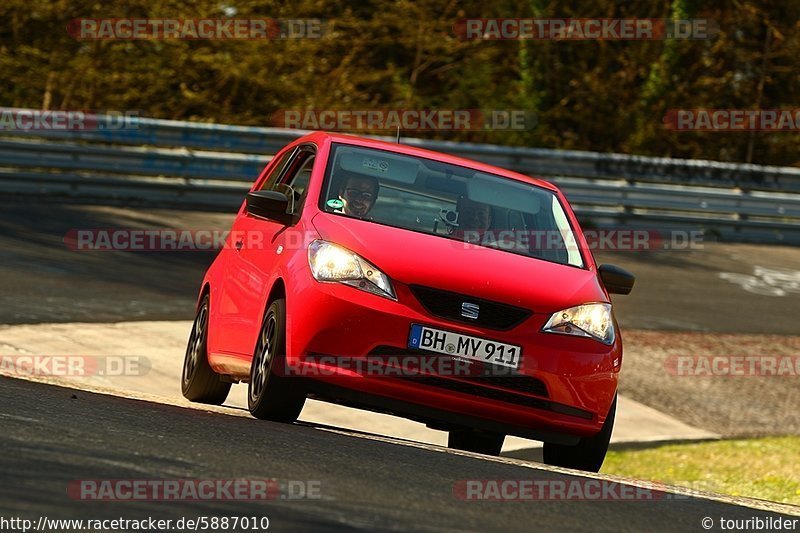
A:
358,194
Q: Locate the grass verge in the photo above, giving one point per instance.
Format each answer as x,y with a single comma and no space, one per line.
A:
765,468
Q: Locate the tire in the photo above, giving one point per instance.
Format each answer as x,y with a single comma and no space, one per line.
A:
198,382
589,453
472,440
271,396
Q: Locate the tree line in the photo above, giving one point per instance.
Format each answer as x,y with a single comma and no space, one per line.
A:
602,95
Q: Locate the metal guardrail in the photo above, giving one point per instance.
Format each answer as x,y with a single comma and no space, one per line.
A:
210,166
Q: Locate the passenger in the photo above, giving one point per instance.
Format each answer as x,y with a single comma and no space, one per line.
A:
474,216
474,220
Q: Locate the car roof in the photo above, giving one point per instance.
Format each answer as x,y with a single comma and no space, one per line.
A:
320,136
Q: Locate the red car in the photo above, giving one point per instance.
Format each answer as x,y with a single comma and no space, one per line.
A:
411,282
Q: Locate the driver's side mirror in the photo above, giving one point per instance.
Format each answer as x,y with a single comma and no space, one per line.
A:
617,280
272,205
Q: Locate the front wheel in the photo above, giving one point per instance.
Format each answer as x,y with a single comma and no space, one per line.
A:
589,453
271,396
198,382
472,440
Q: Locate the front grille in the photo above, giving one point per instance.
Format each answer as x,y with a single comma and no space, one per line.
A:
524,384
447,305
501,396
469,387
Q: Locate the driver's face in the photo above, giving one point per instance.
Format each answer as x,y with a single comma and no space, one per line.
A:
358,196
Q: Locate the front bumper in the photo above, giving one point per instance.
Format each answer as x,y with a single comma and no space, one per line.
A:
578,375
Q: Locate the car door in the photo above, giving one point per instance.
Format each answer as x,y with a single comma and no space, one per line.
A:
255,255
235,283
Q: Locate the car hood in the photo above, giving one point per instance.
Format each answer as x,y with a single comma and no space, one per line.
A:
419,259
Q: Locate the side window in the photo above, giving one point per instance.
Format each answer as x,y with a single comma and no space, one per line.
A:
298,176
277,170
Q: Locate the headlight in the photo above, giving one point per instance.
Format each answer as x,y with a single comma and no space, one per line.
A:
589,320
331,262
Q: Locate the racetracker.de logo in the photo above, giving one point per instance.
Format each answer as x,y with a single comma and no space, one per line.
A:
134,29
619,240
74,365
250,490
517,490
733,365
177,240
393,366
405,119
732,120
22,120
583,29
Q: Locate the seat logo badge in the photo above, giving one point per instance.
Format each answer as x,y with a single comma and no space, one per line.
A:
469,310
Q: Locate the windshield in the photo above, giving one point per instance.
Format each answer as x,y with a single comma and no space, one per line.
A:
448,201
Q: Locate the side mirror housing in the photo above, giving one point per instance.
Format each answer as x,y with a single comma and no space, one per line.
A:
272,205
617,280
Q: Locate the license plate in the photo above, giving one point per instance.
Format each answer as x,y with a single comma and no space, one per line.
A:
465,346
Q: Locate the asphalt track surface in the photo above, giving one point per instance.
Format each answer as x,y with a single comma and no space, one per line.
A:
51,436
41,280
